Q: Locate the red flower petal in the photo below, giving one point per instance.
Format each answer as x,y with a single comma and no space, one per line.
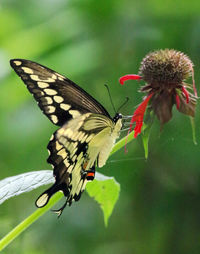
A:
186,94
138,116
177,101
129,76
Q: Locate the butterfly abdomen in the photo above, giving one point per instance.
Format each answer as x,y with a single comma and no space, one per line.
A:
108,144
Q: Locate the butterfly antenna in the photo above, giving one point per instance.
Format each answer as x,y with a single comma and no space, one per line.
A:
110,98
123,104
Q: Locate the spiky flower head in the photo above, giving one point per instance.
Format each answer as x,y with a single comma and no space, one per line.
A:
166,67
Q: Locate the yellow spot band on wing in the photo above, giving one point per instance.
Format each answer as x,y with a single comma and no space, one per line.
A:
58,146
36,78
27,70
50,91
74,113
54,119
65,106
58,99
50,109
62,153
48,100
18,63
42,84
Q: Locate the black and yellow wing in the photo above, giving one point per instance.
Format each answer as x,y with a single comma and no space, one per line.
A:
59,98
75,149
87,132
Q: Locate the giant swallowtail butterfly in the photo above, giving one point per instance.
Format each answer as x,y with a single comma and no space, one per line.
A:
86,135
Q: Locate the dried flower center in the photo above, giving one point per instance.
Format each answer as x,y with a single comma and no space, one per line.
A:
166,68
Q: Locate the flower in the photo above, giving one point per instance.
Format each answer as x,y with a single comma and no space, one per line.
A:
165,73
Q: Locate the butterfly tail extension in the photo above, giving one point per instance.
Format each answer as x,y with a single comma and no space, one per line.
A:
43,199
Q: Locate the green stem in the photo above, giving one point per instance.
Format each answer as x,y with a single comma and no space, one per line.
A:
28,221
193,130
122,142
39,212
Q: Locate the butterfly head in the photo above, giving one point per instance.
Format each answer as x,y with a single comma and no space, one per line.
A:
117,117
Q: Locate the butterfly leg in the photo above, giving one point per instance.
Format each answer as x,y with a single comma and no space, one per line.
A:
60,210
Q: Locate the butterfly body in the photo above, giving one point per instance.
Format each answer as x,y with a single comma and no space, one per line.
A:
86,135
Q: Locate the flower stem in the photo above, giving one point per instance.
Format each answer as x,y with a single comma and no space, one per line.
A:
39,212
122,142
193,130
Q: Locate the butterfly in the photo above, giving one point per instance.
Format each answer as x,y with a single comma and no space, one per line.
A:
86,135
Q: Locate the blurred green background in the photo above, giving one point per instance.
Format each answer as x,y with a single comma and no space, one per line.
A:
92,43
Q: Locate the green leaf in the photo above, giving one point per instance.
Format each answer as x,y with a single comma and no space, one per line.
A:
106,193
145,140
19,184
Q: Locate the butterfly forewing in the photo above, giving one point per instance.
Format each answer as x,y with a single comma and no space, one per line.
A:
59,98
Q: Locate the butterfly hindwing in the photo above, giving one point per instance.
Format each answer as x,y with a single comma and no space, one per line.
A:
58,97
74,150
67,172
